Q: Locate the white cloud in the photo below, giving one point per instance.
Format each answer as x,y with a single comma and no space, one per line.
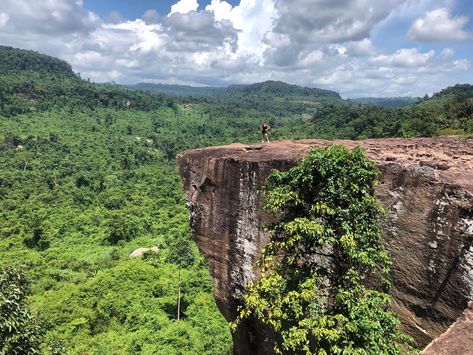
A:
136,36
3,19
49,17
151,16
461,65
184,6
308,24
90,59
330,21
438,25
221,9
115,17
405,57
447,52
251,18
361,48
102,76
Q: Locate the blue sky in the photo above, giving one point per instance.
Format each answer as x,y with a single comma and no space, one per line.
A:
392,35
355,47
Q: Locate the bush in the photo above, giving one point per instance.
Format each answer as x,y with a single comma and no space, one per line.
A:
19,332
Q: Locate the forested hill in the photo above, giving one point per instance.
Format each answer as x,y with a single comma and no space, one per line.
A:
33,82
267,88
386,101
14,61
280,89
178,90
458,92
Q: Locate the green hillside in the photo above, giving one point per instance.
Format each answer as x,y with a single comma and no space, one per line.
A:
280,89
177,90
457,92
309,112
85,180
88,175
386,101
15,61
274,88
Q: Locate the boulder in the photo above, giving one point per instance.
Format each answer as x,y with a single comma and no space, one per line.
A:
140,251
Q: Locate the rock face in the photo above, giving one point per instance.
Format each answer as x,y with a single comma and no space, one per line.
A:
458,338
426,187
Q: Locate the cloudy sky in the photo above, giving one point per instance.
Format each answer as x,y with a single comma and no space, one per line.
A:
356,47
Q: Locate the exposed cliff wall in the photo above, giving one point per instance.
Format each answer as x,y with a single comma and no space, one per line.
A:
458,338
426,186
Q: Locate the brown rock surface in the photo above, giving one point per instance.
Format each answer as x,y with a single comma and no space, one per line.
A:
457,340
426,187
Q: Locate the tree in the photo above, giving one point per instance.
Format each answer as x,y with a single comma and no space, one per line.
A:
324,249
19,333
180,250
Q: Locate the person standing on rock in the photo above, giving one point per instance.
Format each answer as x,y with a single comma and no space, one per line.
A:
264,132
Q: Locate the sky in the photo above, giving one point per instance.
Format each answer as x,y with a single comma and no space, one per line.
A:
356,47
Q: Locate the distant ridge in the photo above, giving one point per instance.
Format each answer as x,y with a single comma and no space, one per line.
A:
177,90
386,101
279,88
270,87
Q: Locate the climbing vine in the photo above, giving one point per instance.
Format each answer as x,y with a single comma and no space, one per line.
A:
324,251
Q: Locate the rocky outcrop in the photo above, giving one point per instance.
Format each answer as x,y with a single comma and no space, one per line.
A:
426,187
457,340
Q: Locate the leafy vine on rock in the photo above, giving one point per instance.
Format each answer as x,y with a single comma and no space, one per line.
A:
323,278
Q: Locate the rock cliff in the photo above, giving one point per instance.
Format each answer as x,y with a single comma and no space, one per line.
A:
426,187
458,338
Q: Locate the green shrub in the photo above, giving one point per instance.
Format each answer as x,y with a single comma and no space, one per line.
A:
19,331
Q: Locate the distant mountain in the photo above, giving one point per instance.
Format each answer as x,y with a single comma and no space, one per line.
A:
266,88
281,89
13,60
386,101
177,90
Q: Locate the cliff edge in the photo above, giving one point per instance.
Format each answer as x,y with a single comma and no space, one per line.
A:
426,187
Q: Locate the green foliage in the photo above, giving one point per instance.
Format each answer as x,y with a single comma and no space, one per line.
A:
19,330
268,88
386,101
85,180
13,60
323,252
281,89
88,175
459,91
177,90
180,250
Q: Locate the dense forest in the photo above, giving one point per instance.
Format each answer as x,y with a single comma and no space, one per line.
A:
386,101
88,175
273,88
